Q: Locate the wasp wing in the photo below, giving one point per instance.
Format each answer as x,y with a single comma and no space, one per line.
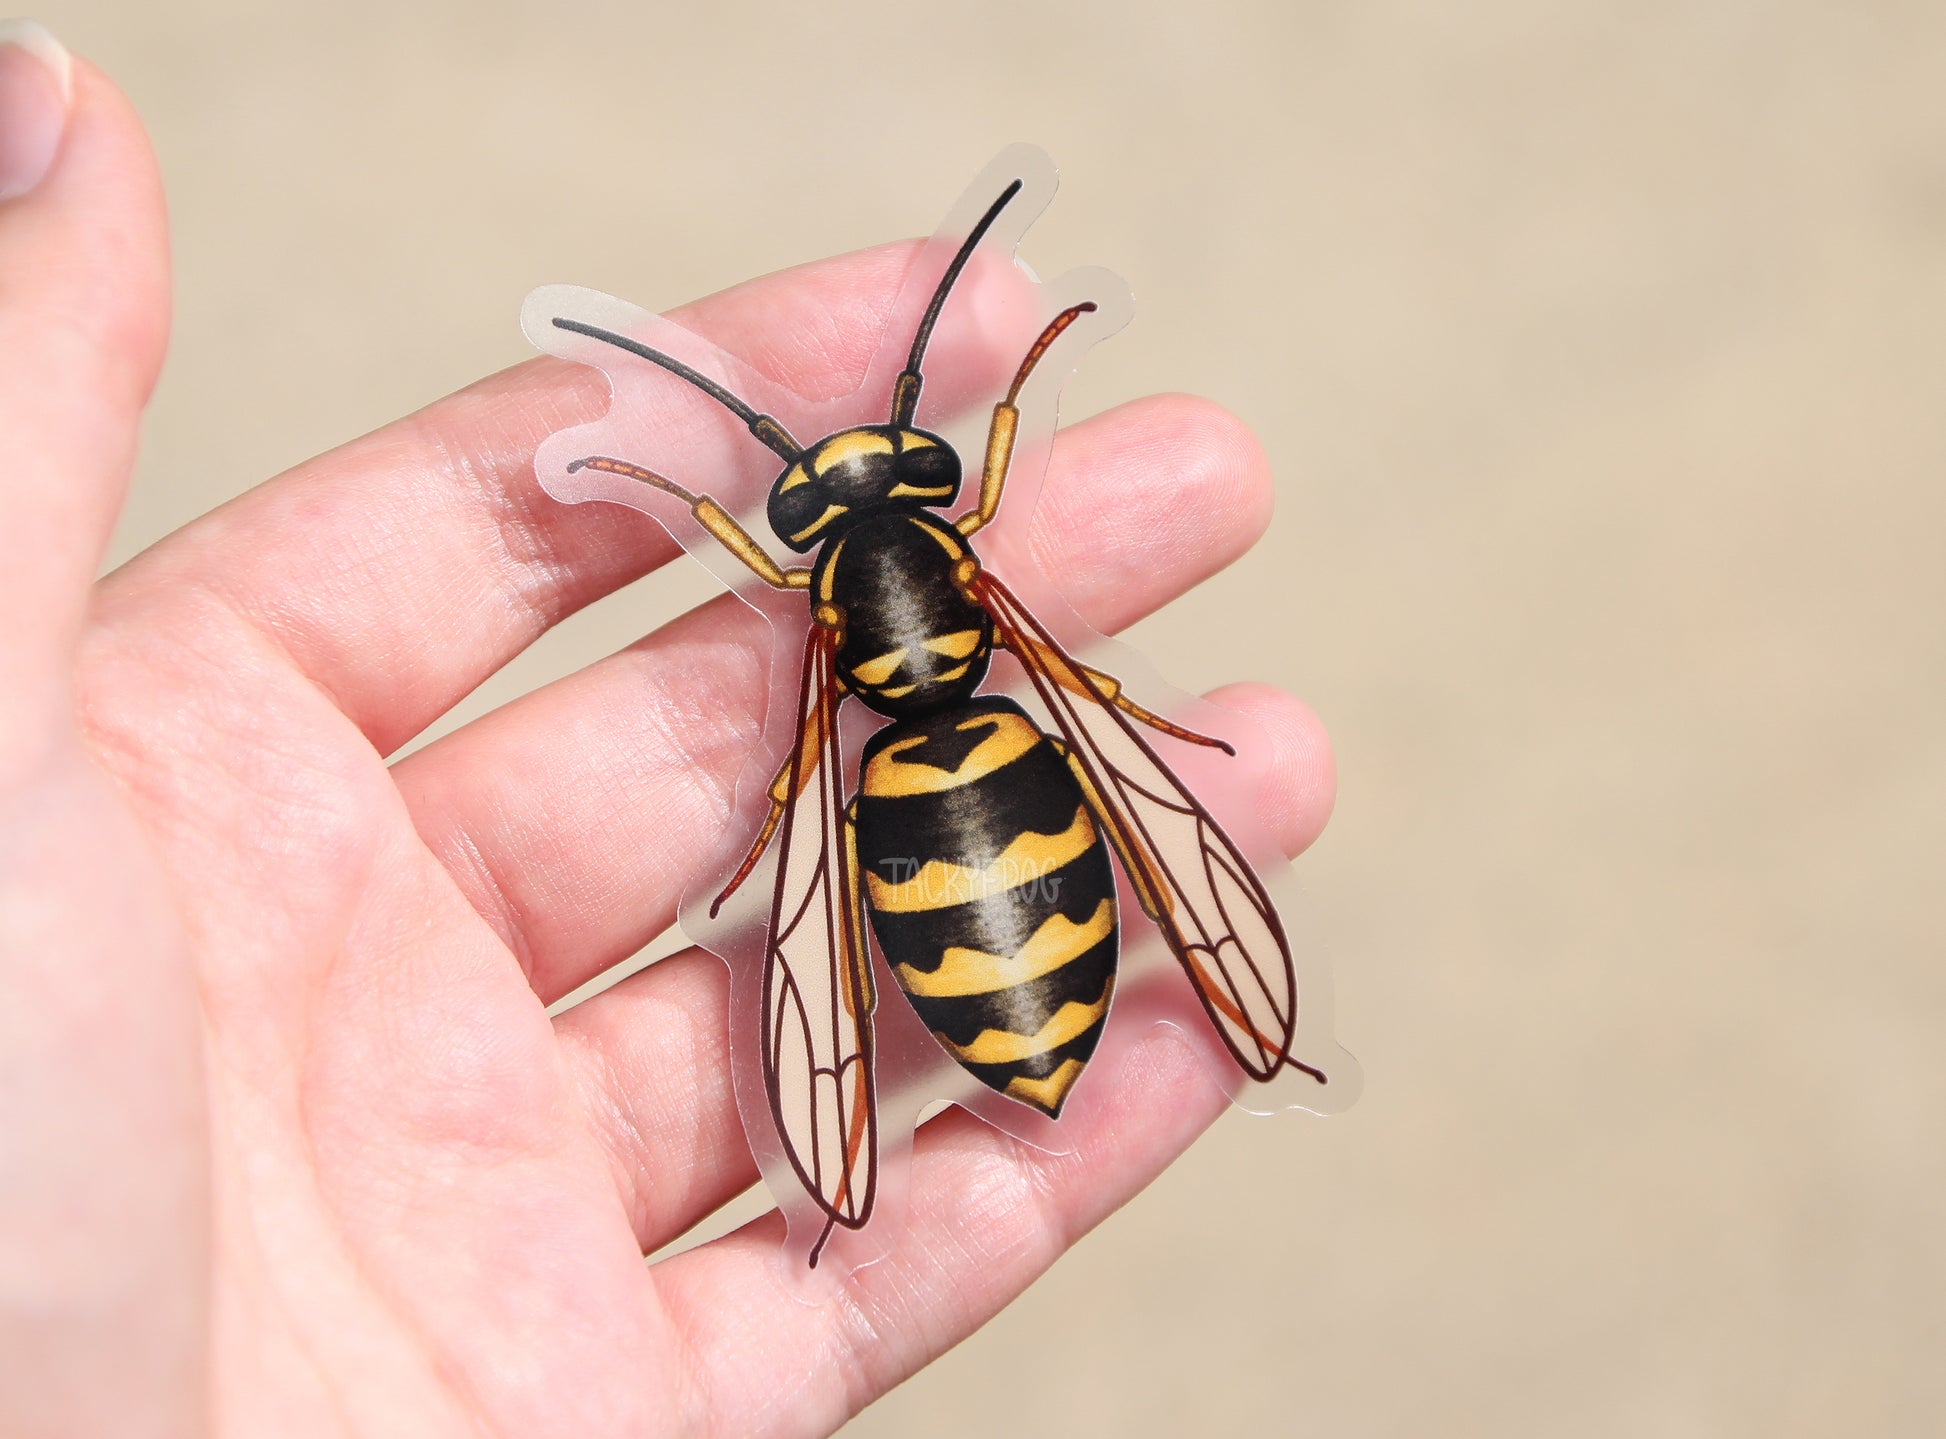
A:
817,1001
1187,874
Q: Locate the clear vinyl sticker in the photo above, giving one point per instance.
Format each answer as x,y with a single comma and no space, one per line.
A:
981,851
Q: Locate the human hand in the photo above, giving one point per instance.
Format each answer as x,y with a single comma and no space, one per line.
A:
288,1143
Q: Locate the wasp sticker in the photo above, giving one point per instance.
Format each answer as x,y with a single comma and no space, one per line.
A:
973,851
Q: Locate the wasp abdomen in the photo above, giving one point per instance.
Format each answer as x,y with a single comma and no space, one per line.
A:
991,893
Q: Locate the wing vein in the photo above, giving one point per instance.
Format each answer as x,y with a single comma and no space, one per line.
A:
1194,882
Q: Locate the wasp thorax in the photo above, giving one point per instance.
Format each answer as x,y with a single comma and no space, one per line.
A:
854,472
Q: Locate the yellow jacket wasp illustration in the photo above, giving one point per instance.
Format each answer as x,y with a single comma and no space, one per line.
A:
976,849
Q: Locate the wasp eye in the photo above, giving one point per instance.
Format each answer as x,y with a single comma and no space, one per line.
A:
928,474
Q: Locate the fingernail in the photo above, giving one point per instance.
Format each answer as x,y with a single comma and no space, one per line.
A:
36,77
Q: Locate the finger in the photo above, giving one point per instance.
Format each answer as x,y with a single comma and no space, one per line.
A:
778,1353
402,569
84,313
987,1215
651,1054
573,817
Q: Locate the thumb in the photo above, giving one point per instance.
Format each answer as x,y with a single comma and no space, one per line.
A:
104,1169
84,315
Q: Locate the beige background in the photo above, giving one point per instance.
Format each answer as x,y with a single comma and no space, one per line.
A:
1601,350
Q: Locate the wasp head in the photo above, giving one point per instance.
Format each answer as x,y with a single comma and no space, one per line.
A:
861,471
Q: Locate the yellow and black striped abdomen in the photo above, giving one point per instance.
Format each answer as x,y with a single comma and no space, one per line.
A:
991,893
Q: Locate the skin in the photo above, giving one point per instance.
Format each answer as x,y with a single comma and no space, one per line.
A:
289,1143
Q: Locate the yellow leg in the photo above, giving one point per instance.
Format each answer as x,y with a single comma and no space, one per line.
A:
1110,689
781,799
757,848
861,955
713,517
1006,423
1137,864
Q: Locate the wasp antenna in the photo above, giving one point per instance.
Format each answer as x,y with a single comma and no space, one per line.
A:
766,429
905,396
1048,336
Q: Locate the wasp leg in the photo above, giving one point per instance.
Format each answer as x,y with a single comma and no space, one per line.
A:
1006,422
713,517
778,804
782,796
1137,864
855,899
1091,683
859,999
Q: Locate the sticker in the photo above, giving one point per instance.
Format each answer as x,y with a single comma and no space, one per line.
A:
981,849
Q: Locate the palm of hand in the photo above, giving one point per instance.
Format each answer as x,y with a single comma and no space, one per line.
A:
313,1149
407,1189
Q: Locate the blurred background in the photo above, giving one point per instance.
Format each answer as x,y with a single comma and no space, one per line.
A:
1601,352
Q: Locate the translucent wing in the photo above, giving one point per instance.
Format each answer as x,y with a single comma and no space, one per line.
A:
1188,875
817,1009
